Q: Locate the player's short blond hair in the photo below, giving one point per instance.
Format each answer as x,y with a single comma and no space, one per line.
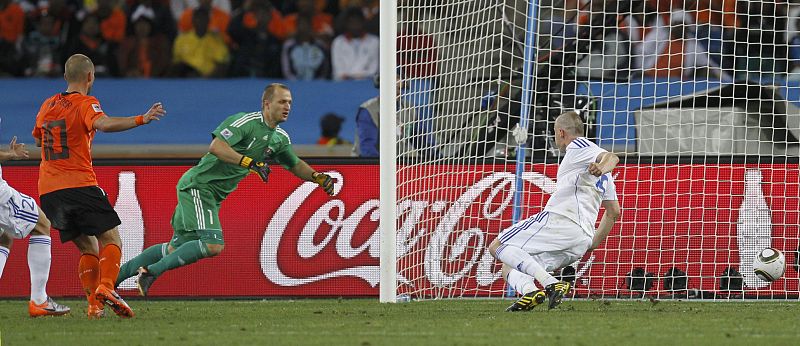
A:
570,122
76,68
270,90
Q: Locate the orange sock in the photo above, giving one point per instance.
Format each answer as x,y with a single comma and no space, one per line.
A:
109,265
89,273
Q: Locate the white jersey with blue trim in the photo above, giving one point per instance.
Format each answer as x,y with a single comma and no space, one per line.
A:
5,190
579,193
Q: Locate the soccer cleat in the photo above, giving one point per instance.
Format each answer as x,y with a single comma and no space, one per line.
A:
95,312
48,308
556,291
114,301
528,301
144,280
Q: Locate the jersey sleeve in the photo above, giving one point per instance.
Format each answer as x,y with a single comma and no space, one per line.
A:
91,112
583,156
610,193
228,132
285,154
37,128
286,157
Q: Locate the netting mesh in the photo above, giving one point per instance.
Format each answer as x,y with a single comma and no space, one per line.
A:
699,99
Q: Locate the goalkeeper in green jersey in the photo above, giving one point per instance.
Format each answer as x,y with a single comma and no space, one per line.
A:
240,145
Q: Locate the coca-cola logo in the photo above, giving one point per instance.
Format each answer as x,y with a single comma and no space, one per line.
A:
492,195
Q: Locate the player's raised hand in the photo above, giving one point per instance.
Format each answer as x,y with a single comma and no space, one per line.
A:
18,149
595,169
324,181
154,113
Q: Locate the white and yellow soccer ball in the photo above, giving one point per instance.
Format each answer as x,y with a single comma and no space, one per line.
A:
770,264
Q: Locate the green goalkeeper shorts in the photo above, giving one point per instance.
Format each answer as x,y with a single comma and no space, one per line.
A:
196,217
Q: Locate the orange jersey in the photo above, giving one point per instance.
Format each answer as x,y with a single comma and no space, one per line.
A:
65,128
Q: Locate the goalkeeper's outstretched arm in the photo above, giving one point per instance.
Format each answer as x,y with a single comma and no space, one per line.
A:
606,223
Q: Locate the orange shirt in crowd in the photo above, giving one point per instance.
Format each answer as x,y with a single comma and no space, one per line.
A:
321,23
718,12
113,27
670,62
12,20
218,21
65,129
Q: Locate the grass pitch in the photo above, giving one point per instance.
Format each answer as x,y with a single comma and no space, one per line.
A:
451,322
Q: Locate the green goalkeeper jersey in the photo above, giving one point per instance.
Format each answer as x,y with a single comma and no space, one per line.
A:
249,135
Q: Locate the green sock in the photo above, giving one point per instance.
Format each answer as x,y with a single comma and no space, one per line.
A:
187,253
149,256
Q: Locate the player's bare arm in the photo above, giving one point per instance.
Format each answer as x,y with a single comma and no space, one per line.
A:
16,151
606,162
117,124
303,171
606,222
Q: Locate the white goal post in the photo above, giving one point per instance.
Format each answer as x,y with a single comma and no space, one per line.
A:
701,101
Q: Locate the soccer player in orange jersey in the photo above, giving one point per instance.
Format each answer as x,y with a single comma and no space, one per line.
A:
70,197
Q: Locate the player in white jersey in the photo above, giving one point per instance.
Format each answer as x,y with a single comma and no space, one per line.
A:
564,231
20,217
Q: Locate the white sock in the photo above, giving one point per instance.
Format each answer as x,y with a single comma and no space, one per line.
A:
521,282
4,252
522,261
39,264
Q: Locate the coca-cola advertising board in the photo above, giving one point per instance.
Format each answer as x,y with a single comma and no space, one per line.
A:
288,238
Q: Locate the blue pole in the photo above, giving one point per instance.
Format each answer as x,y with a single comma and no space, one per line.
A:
528,57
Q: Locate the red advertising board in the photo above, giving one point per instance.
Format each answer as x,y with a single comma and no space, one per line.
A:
287,238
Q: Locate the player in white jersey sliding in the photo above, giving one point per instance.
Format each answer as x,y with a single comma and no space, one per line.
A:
564,231
20,217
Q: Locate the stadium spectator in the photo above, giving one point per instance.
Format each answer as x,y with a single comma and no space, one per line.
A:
649,33
90,42
330,125
179,7
145,53
682,56
761,39
66,22
112,21
218,19
199,52
370,10
162,22
12,26
257,52
716,28
354,54
410,42
42,49
793,36
304,57
321,22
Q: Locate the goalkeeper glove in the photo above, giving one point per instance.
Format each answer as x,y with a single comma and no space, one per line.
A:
324,181
259,167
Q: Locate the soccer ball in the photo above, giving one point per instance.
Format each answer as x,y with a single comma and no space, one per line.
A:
769,265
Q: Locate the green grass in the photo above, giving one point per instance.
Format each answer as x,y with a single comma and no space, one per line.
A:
451,322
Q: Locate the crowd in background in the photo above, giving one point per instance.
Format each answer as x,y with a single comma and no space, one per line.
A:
718,39
297,40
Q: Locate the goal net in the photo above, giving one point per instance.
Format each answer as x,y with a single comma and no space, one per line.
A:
699,99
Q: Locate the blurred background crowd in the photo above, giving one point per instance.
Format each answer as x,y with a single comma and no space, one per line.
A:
295,40
688,39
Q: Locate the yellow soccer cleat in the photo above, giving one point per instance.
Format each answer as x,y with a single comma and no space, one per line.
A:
527,302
